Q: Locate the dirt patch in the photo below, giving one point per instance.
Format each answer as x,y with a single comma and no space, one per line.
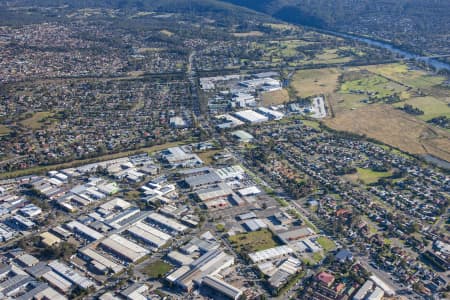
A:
275,97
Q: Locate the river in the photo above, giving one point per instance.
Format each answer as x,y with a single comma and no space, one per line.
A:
437,65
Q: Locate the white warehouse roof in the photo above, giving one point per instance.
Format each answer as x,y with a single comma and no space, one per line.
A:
149,234
251,116
168,222
70,274
271,253
125,248
78,227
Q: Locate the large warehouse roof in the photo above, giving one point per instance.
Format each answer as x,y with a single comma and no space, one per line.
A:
125,248
269,254
167,222
251,116
149,234
222,287
78,227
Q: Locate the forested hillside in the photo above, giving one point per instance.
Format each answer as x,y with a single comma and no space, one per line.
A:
41,9
417,25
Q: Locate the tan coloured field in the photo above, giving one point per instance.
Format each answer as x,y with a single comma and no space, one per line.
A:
395,128
308,83
275,97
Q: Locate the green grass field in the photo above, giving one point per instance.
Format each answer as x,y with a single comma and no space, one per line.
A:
400,72
431,107
35,122
312,124
369,176
4,130
377,85
253,241
157,269
329,56
326,243
313,259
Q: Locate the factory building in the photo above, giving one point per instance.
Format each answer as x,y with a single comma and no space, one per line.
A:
250,116
70,274
209,263
84,231
123,217
124,248
165,222
30,211
177,157
179,258
43,271
254,224
203,180
235,171
18,222
152,236
222,287
270,254
271,114
100,262
242,136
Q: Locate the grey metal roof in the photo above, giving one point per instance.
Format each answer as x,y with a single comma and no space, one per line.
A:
204,179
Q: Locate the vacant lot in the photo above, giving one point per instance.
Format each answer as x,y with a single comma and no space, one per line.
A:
395,128
275,97
156,269
329,56
207,156
342,101
326,243
313,124
308,83
369,176
253,241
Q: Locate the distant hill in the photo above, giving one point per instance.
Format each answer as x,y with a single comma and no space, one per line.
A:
36,11
156,5
417,25
420,26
